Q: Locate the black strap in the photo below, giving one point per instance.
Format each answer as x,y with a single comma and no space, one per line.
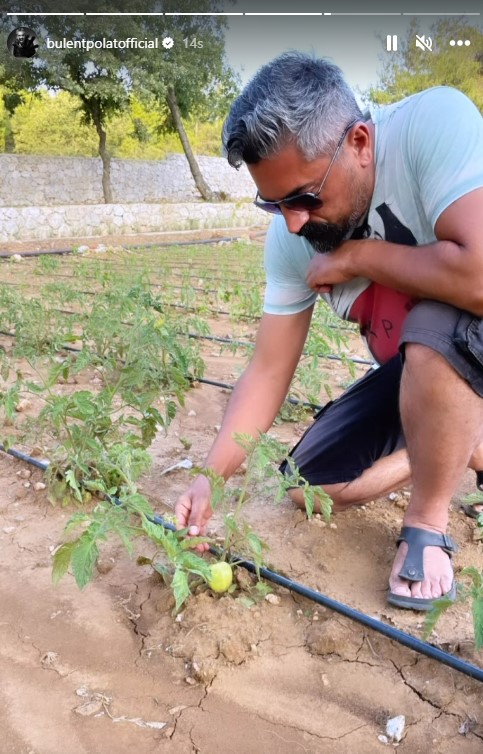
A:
417,540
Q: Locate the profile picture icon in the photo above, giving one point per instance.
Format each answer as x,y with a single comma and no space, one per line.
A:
21,43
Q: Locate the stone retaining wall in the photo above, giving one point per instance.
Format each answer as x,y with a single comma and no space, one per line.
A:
41,223
28,181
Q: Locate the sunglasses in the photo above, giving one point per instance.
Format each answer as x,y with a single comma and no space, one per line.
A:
308,200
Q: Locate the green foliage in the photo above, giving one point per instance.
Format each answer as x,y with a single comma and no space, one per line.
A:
129,516
100,436
467,592
117,101
201,80
141,362
261,477
476,498
132,516
51,124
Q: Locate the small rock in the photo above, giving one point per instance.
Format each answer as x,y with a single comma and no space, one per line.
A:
101,248
243,578
395,728
318,522
333,526
383,739
27,485
206,671
24,473
8,529
38,486
82,691
16,258
192,412
190,681
48,659
22,405
36,451
177,710
401,503
104,565
233,649
217,427
274,599
393,496
83,249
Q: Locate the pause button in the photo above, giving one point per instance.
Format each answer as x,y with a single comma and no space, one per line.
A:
391,42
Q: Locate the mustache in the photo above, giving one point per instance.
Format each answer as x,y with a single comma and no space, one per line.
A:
324,237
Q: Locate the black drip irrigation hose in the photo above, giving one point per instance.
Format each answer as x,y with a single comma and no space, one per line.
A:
395,634
248,344
161,245
218,339
214,383
254,318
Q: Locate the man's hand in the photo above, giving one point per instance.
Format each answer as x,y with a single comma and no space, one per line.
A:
331,268
193,509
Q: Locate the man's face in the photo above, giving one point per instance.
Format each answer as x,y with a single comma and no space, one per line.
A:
326,236
346,194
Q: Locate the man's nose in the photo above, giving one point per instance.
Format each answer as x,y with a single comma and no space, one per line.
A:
294,220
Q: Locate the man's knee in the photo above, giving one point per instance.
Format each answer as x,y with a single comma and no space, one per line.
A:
340,494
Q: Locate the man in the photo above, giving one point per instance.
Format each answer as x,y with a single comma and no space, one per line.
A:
381,214
21,43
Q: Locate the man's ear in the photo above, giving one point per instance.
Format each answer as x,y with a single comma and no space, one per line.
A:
361,140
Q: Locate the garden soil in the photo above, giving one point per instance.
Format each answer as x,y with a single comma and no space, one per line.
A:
111,669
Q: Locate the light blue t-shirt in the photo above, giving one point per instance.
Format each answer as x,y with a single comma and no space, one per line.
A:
428,154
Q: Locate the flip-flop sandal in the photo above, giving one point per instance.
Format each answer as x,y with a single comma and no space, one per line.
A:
412,570
470,509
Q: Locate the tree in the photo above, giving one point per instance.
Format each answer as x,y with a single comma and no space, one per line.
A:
191,79
412,70
96,76
15,79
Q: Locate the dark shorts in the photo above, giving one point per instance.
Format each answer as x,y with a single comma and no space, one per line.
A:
349,434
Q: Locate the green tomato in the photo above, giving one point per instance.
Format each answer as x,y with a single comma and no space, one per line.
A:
221,577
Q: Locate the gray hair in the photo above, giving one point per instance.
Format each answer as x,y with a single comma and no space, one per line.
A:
295,99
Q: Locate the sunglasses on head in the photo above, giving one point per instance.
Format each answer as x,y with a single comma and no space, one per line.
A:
308,200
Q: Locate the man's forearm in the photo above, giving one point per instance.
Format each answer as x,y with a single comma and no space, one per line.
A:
253,406
443,271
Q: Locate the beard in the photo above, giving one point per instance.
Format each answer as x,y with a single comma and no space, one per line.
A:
325,237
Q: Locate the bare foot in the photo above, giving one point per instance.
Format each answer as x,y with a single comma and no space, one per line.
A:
438,574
